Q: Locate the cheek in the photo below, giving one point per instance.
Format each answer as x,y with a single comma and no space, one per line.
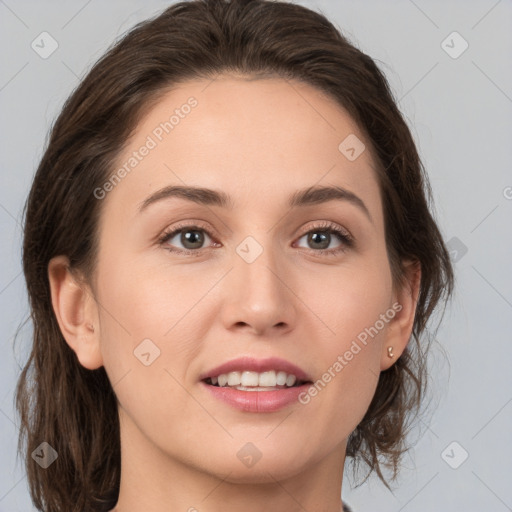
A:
357,308
146,342
355,299
145,319
145,300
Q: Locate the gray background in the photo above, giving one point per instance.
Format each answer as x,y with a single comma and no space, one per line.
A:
460,113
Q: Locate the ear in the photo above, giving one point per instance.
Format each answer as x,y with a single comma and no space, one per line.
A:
400,326
76,312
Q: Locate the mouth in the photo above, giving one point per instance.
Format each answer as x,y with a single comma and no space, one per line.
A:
254,381
256,385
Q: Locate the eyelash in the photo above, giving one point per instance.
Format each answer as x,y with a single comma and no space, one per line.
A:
326,227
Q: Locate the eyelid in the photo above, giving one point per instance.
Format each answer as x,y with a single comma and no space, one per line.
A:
189,224
326,225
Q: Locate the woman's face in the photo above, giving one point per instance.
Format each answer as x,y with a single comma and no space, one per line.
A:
262,278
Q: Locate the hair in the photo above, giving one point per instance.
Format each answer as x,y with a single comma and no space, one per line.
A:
75,409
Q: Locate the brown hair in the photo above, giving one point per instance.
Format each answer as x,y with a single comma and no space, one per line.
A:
75,409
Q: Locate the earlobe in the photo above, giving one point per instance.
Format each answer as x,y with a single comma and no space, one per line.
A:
401,326
76,312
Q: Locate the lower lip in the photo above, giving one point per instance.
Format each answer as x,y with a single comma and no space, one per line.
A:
257,401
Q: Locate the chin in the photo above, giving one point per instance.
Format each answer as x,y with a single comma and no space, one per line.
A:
245,462
261,473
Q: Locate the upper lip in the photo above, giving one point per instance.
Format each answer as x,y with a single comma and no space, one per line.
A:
247,363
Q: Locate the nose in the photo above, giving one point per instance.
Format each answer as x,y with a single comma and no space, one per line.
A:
259,295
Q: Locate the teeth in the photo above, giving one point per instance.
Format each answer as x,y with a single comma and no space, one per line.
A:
254,379
267,379
234,379
290,380
281,378
247,379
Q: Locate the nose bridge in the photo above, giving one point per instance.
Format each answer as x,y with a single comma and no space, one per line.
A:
259,295
257,265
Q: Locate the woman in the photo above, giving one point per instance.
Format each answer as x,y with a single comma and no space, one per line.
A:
193,349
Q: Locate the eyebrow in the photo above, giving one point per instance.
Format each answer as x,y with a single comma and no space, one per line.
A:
300,198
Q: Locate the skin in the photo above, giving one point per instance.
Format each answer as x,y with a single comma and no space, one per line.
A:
259,141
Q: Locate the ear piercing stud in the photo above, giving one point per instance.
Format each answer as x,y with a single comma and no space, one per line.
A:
390,352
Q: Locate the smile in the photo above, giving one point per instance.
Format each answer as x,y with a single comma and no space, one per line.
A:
254,381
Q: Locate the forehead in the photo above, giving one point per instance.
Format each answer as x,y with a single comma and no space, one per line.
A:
255,139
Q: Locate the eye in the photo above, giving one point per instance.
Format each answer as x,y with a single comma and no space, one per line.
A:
191,237
320,237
